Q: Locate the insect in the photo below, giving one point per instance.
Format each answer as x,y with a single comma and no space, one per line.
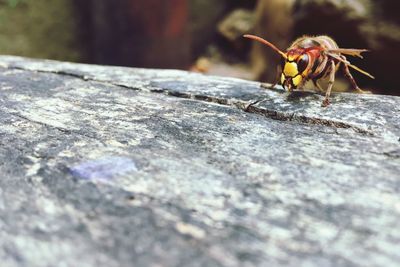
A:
314,58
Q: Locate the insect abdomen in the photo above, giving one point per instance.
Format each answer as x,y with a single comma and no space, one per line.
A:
326,42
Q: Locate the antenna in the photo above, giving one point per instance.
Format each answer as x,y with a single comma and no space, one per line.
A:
261,40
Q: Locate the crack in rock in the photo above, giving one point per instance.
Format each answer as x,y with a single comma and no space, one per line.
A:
272,114
232,102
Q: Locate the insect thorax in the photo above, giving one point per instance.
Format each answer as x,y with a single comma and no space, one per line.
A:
306,42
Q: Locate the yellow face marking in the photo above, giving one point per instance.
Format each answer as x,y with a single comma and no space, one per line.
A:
290,69
282,78
290,58
297,80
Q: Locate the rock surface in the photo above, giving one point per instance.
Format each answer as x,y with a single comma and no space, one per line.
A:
114,166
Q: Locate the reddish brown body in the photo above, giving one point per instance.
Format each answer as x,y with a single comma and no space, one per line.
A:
314,58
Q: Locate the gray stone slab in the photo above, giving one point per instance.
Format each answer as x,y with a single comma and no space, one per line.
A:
116,166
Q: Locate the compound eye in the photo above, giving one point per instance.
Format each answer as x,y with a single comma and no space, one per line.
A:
302,63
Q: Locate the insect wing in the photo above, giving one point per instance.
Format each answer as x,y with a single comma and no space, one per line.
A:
350,65
349,52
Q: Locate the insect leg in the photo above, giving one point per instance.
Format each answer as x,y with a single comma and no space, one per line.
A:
278,75
277,79
352,81
315,82
330,84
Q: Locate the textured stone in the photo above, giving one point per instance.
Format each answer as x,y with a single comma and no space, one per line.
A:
185,177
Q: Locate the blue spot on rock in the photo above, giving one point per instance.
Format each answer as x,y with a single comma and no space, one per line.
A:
104,168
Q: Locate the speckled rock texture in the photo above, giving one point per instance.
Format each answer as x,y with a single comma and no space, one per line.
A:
112,166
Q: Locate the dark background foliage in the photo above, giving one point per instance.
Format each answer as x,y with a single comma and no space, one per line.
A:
201,35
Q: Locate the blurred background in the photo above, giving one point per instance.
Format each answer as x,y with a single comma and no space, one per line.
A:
202,35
